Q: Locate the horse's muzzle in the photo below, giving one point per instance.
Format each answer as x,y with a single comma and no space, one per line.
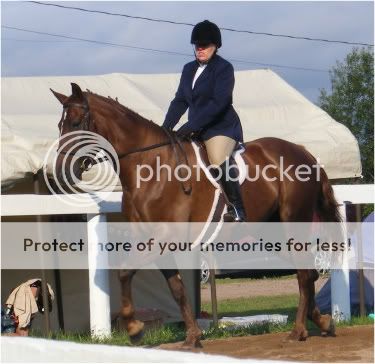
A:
70,175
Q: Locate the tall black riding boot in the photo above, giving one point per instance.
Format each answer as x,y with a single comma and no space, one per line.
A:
231,187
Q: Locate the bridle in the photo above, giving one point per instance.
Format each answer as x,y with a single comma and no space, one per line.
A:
89,162
85,120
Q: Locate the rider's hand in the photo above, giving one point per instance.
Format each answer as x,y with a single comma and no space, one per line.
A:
185,131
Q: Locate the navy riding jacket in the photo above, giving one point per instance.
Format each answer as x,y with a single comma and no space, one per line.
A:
211,112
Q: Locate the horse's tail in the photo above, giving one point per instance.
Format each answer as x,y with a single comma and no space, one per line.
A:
327,206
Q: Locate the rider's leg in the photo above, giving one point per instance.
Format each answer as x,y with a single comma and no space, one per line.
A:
231,185
219,150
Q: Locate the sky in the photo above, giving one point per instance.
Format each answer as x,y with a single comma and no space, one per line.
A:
29,54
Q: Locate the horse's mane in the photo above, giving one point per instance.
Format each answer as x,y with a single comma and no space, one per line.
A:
123,109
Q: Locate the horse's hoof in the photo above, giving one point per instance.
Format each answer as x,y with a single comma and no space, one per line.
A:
296,335
137,338
331,329
191,344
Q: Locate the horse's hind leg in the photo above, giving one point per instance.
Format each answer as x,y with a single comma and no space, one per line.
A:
193,332
324,322
299,331
307,307
300,208
133,327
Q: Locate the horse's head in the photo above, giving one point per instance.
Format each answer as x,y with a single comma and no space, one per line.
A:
74,123
94,129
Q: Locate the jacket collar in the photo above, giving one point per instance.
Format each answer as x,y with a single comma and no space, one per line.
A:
205,72
211,62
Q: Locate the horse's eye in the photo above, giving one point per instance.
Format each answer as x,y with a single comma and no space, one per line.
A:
76,125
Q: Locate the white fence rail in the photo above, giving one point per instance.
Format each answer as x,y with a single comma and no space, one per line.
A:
25,205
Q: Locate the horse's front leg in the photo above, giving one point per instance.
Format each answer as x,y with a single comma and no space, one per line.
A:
299,332
193,332
133,327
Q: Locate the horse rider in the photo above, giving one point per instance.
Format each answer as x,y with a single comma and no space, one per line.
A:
206,88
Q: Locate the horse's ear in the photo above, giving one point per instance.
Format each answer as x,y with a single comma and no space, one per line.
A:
76,91
62,98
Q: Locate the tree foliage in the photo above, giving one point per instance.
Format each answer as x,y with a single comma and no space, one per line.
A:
351,102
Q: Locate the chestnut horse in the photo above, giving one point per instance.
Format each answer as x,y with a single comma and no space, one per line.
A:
137,140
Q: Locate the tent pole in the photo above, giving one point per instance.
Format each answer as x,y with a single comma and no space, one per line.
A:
197,292
60,308
212,279
213,297
47,325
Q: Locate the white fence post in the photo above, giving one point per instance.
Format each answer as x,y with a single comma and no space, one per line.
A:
100,313
340,284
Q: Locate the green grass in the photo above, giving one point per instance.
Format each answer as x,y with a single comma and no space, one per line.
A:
285,305
244,280
166,334
355,321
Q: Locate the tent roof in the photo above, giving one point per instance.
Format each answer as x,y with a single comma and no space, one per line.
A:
267,105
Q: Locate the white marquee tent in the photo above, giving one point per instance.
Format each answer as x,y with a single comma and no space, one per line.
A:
267,106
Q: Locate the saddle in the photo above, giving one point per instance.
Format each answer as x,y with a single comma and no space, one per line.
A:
201,155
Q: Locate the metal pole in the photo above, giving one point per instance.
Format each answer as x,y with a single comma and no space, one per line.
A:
197,292
59,302
213,297
212,279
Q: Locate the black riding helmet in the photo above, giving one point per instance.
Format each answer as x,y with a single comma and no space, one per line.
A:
206,32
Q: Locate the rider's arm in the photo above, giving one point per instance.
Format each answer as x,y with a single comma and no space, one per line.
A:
177,107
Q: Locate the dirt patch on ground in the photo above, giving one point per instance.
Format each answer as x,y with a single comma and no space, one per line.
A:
352,344
258,287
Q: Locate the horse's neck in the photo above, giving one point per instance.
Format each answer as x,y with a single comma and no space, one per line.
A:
127,132
123,128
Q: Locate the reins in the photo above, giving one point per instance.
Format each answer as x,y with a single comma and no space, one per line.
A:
175,140
144,149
